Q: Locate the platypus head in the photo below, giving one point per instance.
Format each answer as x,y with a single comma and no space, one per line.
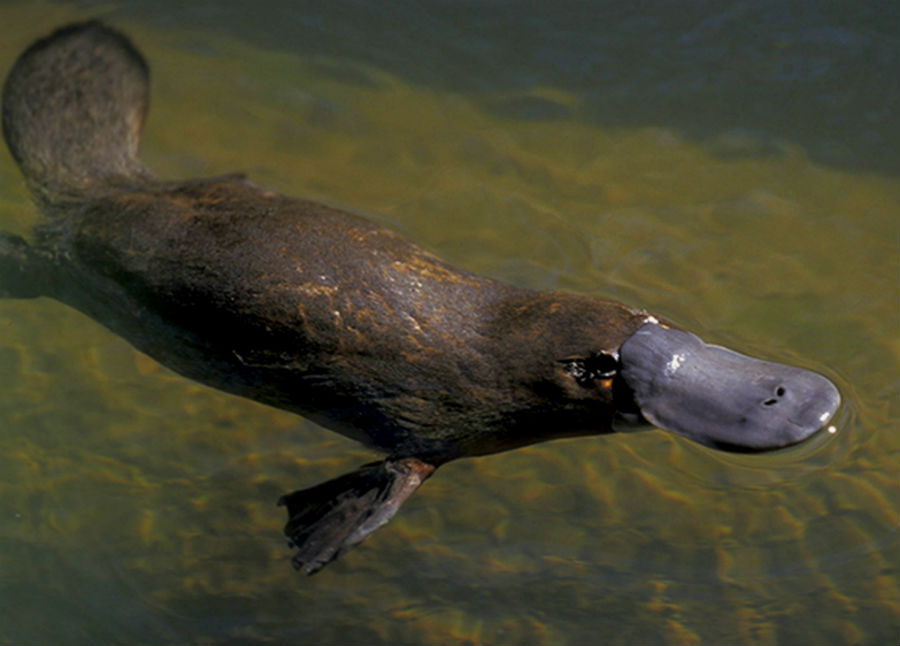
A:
718,397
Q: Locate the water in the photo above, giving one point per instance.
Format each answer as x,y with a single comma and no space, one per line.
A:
732,167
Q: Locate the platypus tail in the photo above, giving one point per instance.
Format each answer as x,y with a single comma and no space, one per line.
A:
73,107
326,520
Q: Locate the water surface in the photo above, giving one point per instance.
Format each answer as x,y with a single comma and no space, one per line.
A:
730,166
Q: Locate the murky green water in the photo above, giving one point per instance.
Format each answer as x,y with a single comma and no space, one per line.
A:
732,167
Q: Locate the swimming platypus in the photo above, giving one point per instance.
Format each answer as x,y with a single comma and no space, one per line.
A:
321,312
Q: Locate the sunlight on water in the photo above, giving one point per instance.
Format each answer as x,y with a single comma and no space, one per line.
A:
139,507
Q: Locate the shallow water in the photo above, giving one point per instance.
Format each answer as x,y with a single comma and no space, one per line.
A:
731,167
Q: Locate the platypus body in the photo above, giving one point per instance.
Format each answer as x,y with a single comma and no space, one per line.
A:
321,312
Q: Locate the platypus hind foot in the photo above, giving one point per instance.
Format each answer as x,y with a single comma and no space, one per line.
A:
328,519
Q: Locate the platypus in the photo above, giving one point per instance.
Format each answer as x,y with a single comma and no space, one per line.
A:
312,309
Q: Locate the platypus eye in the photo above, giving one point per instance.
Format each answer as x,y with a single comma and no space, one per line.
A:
585,370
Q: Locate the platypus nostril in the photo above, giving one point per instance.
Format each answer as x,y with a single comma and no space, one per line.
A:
779,393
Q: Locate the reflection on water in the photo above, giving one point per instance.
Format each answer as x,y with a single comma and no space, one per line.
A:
733,169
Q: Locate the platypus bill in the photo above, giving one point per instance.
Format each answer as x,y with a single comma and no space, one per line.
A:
314,310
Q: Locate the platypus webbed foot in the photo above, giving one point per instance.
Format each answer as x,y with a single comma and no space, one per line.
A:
328,519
